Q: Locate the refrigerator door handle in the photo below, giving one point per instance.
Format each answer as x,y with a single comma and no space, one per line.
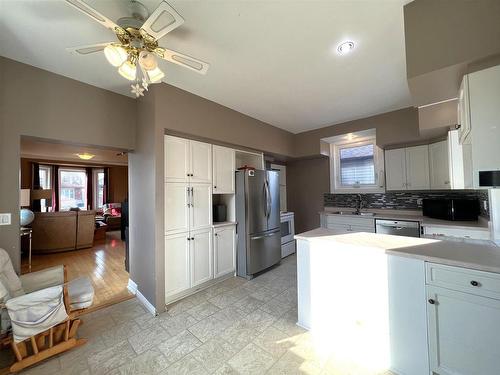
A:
268,199
266,205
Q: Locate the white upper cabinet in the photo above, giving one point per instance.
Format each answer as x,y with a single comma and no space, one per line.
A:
417,168
177,264
223,171
177,204
464,111
176,159
395,167
200,161
439,166
201,257
187,161
224,250
200,214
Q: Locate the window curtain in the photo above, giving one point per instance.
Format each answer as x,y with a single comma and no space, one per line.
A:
55,188
105,190
36,206
90,185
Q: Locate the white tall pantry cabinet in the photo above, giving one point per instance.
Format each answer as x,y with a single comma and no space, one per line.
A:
196,251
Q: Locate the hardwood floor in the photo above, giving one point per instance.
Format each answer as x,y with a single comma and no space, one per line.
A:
103,264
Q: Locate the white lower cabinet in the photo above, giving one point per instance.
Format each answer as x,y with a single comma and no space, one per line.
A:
348,224
177,267
224,250
463,333
201,257
188,261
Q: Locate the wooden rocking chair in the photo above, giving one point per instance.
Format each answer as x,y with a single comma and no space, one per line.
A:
48,295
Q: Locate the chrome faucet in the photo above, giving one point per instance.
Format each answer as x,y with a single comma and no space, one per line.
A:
359,204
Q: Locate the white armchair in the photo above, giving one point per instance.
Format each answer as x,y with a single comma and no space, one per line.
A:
39,311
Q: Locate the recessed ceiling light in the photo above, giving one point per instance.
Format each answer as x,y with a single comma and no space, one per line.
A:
345,47
85,156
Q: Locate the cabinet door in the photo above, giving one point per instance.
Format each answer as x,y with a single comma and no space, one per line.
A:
201,206
464,110
201,161
439,166
395,169
224,167
176,159
224,250
177,269
282,197
201,257
417,168
176,207
463,335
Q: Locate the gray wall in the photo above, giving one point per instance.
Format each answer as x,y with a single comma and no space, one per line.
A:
34,102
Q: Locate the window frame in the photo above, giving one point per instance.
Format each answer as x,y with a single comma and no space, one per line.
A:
60,187
48,172
378,161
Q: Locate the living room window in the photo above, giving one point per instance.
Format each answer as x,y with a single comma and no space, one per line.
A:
98,181
44,173
72,188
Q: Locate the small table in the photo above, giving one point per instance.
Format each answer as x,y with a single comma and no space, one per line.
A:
100,232
27,231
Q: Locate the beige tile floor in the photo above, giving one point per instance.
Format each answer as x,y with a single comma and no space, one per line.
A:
234,327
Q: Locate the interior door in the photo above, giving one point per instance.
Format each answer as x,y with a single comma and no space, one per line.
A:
176,159
256,202
417,167
224,167
273,216
224,250
176,207
201,162
439,166
177,269
395,169
463,338
201,257
201,206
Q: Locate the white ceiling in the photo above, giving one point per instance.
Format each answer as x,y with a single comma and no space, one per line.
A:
45,150
272,60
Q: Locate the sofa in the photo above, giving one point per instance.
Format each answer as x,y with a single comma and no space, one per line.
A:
62,231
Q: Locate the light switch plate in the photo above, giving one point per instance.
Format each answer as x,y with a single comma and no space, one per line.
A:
5,219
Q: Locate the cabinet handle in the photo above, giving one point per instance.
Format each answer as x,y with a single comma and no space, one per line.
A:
215,187
189,239
474,283
432,302
192,238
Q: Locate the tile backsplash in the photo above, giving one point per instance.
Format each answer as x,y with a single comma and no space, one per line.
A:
410,200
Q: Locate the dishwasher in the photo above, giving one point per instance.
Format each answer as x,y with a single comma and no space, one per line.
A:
398,227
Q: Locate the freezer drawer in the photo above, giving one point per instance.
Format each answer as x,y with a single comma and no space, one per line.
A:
264,250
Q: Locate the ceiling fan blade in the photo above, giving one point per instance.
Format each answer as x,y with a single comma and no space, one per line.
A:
162,21
183,60
88,49
96,16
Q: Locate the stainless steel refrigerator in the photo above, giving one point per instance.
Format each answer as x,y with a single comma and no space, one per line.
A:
258,217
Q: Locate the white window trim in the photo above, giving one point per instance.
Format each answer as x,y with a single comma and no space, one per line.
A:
95,180
378,159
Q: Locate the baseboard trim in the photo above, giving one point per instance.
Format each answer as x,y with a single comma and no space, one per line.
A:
132,287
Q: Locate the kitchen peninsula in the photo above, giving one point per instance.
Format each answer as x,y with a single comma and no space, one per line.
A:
381,298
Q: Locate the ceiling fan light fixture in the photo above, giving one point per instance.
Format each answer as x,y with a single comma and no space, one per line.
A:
147,60
128,70
115,55
155,75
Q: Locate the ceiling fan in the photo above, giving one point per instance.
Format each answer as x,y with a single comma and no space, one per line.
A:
136,51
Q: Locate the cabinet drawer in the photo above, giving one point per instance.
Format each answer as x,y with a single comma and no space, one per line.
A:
462,279
473,234
350,228
339,219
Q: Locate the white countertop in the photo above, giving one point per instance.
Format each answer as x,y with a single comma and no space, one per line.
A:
478,257
481,224
223,224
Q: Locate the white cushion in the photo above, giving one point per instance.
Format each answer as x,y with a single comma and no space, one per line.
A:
81,293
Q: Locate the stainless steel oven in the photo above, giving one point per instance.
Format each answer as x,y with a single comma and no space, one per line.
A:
287,233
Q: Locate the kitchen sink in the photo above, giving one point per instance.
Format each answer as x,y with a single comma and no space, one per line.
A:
353,213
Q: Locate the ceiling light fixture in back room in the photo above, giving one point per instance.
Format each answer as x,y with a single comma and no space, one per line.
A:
137,48
345,47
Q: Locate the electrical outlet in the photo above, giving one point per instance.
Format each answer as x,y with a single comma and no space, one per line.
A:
419,201
5,219
485,205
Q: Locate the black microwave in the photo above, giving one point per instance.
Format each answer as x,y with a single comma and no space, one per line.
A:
458,209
